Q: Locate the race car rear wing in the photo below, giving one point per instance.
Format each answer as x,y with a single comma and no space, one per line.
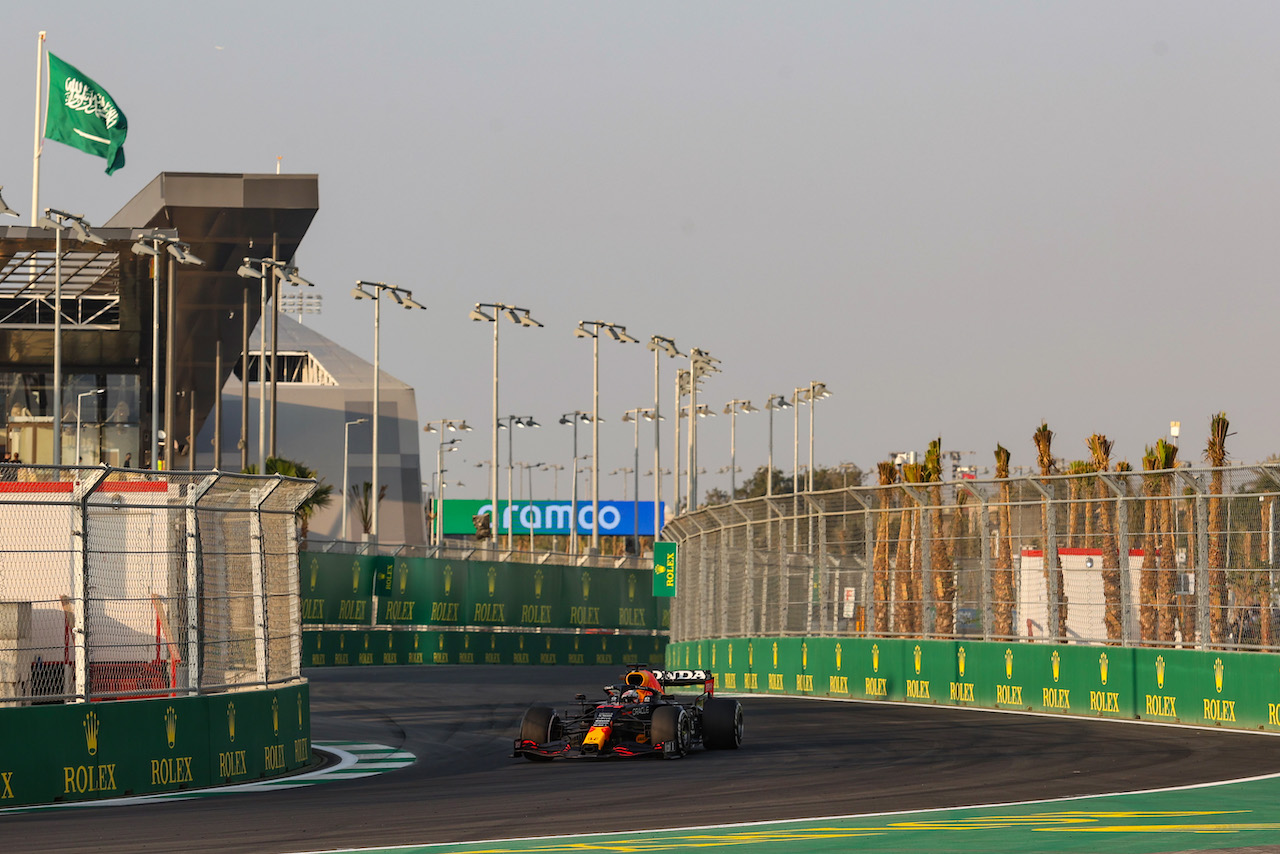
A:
669,678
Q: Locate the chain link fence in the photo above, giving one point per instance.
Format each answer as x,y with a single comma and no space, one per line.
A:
1180,557
119,583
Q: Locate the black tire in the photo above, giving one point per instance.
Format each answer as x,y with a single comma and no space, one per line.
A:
673,728
722,724
540,724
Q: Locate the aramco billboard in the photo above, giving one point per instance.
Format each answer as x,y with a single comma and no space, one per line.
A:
617,518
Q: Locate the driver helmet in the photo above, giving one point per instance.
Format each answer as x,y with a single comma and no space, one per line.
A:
631,696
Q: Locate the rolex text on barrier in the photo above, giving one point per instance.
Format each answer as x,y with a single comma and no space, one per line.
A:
339,590
1202,688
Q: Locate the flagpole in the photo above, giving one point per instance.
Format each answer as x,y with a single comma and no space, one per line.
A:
35,164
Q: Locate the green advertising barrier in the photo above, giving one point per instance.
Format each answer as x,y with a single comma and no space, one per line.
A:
382,646
78,751
339,589
1239,690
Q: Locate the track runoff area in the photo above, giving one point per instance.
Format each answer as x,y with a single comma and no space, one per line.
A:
1236,815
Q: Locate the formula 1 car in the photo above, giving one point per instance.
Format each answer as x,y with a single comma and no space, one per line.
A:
636,718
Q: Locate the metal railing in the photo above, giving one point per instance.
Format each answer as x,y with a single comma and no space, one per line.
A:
1177,557
120,583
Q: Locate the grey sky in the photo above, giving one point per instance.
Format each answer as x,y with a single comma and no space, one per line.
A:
963,218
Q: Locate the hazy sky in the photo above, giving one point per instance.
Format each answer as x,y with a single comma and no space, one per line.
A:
964,218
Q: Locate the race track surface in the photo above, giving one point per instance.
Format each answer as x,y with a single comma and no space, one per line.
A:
799,759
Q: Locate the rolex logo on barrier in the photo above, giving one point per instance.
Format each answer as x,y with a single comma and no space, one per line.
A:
466,641
1008,664
448,580
731,655
1057,664
404,576
390,638
1160,672
1102,667
366,641
275,715
804,656
1217,674
537,583
231,721
299,711
493,580
355,577
916,653
960,661
875,658
91,726
586,585
171,726
315,569
631,587
493,642
751,654
775,655
838,654
713,656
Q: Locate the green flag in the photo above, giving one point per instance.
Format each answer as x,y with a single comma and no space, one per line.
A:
82,115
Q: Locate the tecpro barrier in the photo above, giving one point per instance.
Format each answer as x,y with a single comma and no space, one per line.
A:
343,590
366,647
87,751
1237,690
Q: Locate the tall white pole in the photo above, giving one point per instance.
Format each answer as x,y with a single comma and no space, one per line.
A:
733,453
510,524
813,404
377,303
35,159
595,441
57,347
657,458
262,375
493,449
675,467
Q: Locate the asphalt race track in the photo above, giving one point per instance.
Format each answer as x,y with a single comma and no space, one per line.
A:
799,758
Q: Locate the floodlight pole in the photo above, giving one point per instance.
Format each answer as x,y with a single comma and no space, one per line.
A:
346,451
404,297
618,333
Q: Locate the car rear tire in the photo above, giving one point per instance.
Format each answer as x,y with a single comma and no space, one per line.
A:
541,725
722,724
673,728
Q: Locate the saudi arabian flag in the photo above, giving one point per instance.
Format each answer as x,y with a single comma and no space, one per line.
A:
82,115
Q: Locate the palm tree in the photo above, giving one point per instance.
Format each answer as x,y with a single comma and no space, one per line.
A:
1002,582
1167,579
359,498
1100,454
322,496
1151,487
1078,468
908,562
1043,438
880,561
1215,453
944,581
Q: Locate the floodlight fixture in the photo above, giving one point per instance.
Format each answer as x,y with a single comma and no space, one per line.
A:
5,209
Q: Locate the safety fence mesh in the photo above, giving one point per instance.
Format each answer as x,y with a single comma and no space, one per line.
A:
120,583
1167,557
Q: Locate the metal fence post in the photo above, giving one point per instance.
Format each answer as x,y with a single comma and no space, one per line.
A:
1050,552
866,590
257,497
80,559
928,607
195,572
1201,523
986,593
1122,557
